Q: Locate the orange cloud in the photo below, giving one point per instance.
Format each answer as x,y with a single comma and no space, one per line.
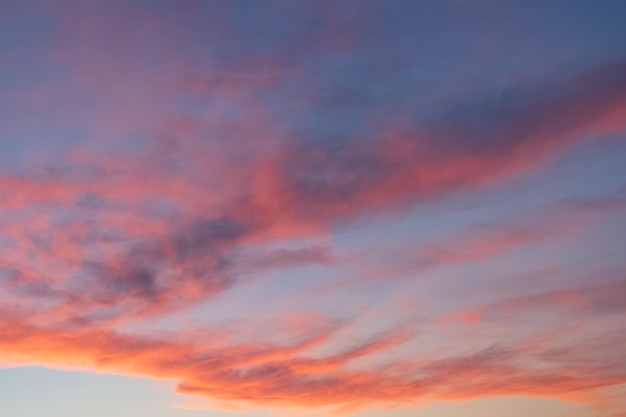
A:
281,376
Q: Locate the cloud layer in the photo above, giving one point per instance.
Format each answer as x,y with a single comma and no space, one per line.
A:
166,160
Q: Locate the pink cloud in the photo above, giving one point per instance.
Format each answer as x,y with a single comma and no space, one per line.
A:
99,240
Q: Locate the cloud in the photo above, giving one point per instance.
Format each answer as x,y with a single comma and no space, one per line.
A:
134,236
604,298
481,242
204,159
287,258
269,375
341,179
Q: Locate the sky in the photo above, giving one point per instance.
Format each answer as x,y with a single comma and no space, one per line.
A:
259,208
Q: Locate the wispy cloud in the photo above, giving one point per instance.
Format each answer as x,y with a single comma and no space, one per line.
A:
157,160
